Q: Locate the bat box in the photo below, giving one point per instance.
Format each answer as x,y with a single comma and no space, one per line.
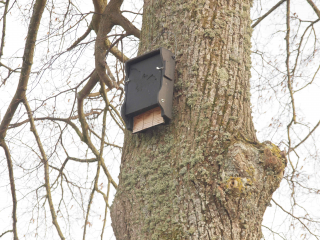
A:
148,90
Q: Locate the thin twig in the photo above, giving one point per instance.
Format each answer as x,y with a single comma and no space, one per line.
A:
299,47
46,169
309,134
268,13
80,38
294,218
288,62
125,11
5,233
108,144
84,125
314,76
90,201
26,66
272,231
106,198
10,69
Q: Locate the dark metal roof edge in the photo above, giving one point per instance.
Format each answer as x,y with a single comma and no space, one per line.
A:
143,56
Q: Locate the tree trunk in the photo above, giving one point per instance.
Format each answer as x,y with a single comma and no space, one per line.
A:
205,175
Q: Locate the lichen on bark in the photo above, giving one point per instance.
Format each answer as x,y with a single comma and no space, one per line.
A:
205,175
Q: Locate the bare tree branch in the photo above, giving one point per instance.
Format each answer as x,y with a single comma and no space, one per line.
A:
272,231
304,225
13,189
80,38
26,66
288,62
5,233
95,188
299,49
126,24
86,222
315,8
53,119
4,25
105,26
116,52
267,13
309,134
126,11
106,199
46,169
111,16
84,125
21,89
10,69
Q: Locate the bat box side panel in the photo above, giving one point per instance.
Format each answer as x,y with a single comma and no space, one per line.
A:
169,63
144,82
165,95
127,119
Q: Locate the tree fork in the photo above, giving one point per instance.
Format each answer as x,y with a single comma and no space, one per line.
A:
205,175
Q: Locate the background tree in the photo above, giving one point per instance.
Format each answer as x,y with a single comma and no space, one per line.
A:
204,176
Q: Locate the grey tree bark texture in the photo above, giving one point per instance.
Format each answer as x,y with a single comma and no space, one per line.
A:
205,175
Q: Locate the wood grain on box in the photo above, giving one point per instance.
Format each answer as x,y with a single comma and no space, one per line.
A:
147,119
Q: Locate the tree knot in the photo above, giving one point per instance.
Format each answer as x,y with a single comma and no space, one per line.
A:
274,159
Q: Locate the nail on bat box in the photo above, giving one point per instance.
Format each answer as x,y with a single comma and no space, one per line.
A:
148,90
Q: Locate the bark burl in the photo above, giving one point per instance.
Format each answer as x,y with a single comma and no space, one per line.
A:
205,175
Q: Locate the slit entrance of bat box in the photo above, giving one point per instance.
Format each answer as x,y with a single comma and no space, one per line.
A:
147,119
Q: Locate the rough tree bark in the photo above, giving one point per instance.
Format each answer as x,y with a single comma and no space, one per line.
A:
205,175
